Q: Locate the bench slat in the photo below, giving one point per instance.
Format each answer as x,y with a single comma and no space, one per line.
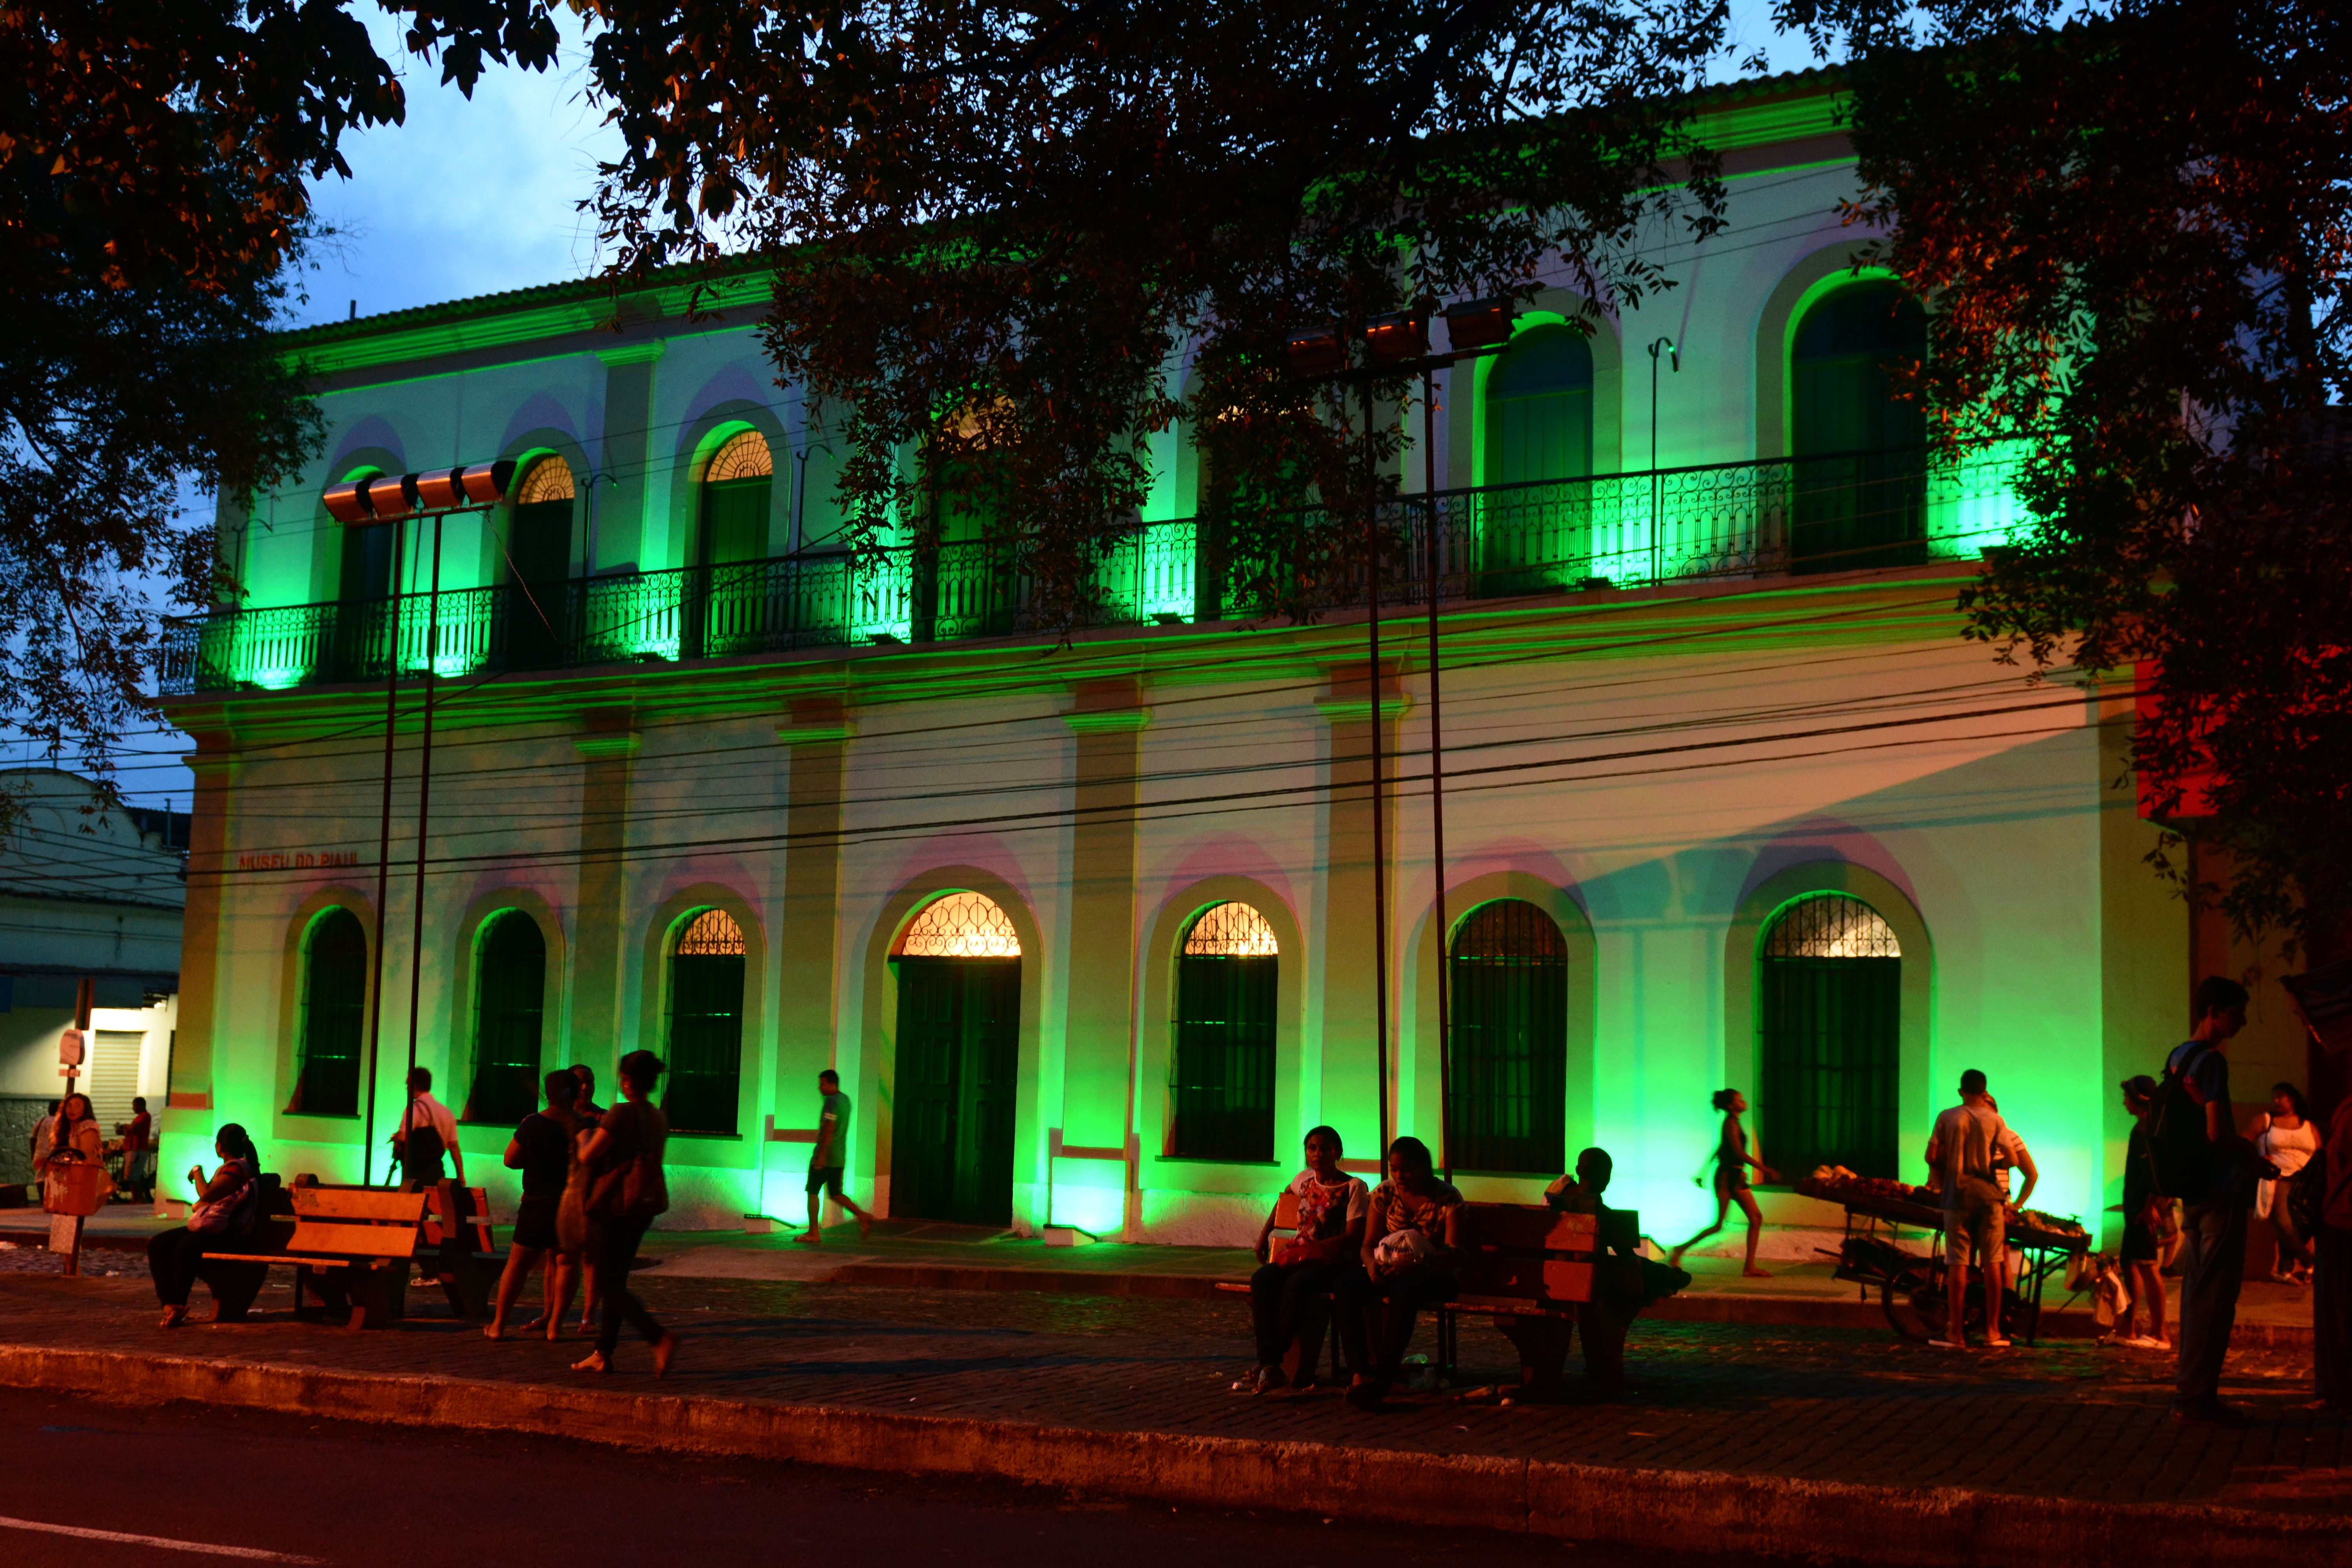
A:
362,1241
275,1257
357,1204
1528,1227
1527,1277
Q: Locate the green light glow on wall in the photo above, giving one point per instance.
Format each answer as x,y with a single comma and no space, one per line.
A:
1973,505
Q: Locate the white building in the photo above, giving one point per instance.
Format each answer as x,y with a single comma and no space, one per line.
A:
85,892
1731,802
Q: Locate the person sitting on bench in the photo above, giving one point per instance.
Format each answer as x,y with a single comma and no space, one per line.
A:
226,1207
1410,1236
1290,1294
1623,1283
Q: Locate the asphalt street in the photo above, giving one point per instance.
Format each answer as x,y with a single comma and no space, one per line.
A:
202,1483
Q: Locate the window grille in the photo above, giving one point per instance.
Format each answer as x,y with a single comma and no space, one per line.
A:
745,456
961,925
1231,931
713,935
1509,1026
550,480
1832,926
1830,1035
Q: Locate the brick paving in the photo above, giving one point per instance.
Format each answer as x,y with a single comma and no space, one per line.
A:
2069,1419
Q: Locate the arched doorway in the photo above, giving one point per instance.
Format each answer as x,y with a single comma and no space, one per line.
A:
1539,433
730,546
538,564
1859,478
1507,1074
1830,1021
1222,1064
959,1066
706,1026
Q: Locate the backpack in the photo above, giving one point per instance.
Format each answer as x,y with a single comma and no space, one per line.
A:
2179,1146
421,1153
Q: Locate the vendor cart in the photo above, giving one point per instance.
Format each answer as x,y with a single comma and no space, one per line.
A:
1911,1285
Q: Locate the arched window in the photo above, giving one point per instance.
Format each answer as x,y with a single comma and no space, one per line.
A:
510,993
1508,1070
1861,488
959,1062
1222,1066
538,562
735,487
705,1024
1829,1014
335,1004
1539,409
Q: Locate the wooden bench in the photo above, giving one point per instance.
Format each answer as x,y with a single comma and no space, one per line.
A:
1286,1220
455,1248
352,1247
1531,1268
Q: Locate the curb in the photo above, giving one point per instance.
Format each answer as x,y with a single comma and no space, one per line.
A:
1655,1509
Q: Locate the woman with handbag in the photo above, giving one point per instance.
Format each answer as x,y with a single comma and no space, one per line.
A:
627,1191
73,1178
226,1207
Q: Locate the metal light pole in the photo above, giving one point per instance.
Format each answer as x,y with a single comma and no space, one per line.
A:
1657,481
373,503
1379,831
425,791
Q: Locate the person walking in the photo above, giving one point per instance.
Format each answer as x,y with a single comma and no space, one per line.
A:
625,1156
2201,1159
1960,1155
541,1149
138,1152
588,1116
45,1135
2144,1214
829,1158
1294,1282
227,1206
1732,1161
2285,1136
427,1136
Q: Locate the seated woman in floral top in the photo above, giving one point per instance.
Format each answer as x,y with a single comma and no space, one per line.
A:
1289,1295
1410,1239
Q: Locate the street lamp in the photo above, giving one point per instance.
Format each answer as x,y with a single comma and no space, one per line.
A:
371,504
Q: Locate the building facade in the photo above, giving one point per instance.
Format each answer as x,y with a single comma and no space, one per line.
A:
1092,930
85,893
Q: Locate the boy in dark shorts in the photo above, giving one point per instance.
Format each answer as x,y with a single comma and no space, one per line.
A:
826,1160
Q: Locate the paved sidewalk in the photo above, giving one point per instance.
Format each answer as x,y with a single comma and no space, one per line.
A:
918,1254
2069,1420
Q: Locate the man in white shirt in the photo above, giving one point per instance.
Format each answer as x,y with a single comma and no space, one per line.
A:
1961,1154
424,1111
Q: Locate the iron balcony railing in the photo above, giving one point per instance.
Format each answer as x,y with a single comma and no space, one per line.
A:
1843,513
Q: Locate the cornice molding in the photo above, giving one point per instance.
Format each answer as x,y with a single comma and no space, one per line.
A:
607,744
1101,721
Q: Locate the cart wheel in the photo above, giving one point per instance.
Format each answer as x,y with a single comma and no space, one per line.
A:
1912,1301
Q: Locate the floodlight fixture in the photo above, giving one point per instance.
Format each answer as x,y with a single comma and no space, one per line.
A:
1478,323
391,497
486,484
1317,353
1398,336
438,489
347,502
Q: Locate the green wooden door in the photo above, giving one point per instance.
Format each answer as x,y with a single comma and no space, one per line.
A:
1832,1054
539,570
957,1078
1861,487
1223,1066
705,1042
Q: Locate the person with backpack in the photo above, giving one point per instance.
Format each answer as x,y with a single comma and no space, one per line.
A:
424,1146
2201,1159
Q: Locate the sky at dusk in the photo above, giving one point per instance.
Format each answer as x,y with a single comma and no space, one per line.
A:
477,196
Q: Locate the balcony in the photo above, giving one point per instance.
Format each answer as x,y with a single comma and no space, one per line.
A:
1847,512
